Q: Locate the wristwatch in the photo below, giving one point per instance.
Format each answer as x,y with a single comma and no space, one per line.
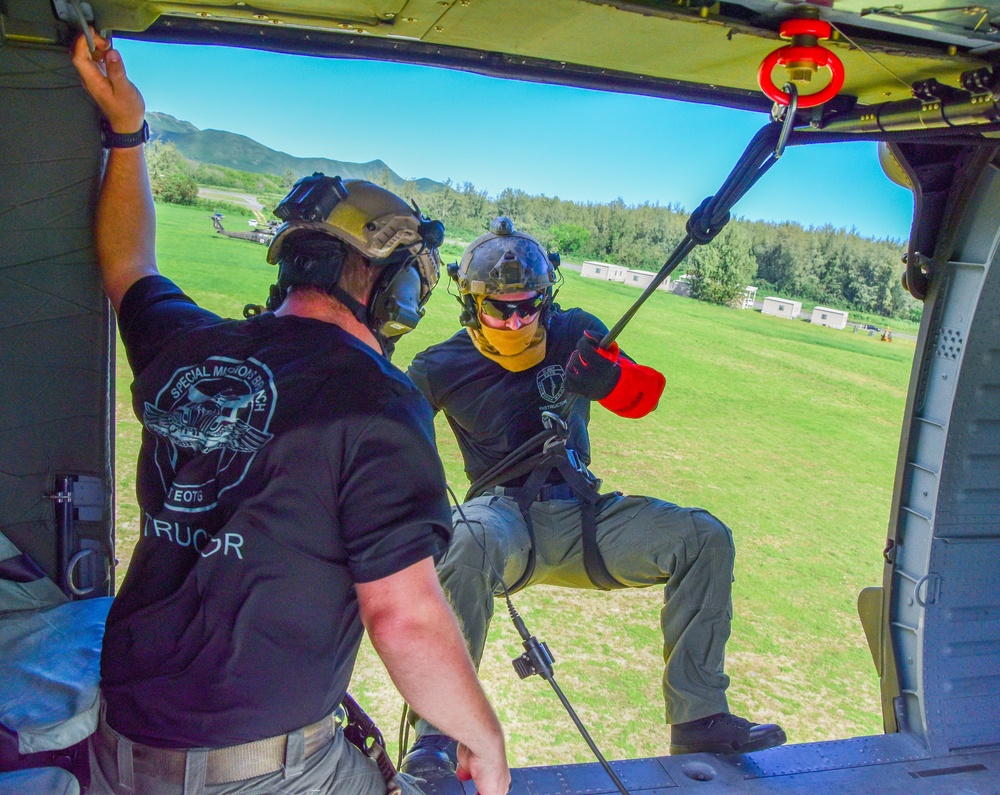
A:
113,140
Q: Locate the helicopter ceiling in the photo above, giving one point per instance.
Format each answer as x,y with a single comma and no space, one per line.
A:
686,49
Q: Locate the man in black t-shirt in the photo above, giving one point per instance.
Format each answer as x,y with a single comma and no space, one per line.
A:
521,365
291,498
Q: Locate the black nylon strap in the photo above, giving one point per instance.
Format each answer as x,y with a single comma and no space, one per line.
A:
524,496
529,568
593,562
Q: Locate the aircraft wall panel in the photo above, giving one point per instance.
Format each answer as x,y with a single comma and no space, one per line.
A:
922,485
977,235
962,641
969,505
930,437
55,323
943,614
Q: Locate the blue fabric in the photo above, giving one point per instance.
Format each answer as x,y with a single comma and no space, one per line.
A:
50,673
40,781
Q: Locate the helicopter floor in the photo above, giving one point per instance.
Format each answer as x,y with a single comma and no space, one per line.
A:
895,763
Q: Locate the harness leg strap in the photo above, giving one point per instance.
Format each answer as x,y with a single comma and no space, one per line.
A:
524,496
593,562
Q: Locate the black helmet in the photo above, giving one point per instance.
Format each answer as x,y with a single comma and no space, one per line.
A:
502,261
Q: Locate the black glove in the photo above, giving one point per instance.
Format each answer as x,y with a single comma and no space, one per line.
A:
592,372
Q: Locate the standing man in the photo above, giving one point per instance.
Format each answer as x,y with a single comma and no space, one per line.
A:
522,362
291,497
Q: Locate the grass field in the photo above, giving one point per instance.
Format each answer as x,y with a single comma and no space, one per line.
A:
786,431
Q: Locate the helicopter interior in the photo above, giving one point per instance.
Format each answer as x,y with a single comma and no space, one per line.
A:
919,78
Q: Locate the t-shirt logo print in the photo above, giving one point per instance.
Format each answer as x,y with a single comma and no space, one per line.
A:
209,421
550,382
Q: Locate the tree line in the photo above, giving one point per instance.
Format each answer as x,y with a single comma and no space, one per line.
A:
828,266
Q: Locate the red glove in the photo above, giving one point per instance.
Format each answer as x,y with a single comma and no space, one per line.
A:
637,392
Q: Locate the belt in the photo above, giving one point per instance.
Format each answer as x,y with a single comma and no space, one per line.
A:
550,491
232,763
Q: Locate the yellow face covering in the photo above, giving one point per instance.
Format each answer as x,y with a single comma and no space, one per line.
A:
514,350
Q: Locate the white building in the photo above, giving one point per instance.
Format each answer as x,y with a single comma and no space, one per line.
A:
834,318
745,299
781,307
603,270
638,278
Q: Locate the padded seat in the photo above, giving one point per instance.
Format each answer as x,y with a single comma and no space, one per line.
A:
50,674
40,781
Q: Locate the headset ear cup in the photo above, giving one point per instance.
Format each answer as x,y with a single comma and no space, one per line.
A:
394,307
470,312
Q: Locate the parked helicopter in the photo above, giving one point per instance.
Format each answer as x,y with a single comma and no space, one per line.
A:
257,234
922,80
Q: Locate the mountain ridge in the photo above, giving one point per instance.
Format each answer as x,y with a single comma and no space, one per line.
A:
233,150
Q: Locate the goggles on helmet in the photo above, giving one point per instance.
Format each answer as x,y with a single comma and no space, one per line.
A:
504,310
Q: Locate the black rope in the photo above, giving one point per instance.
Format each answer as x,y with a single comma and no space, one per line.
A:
537,659
712,214
498,473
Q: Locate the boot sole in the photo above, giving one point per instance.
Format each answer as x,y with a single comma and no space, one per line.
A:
770,741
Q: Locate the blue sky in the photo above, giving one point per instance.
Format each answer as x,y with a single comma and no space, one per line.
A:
572,143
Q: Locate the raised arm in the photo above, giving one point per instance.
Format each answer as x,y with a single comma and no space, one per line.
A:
415,633
125,226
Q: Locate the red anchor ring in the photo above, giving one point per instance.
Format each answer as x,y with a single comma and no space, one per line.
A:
813,54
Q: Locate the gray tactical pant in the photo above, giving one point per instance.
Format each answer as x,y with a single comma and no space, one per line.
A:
339,768
643,542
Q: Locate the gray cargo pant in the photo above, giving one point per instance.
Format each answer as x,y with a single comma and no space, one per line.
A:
643,542
339,767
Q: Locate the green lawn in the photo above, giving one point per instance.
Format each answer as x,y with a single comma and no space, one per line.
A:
786,431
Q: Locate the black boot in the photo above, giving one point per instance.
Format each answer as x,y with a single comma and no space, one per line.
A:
724,734
431,756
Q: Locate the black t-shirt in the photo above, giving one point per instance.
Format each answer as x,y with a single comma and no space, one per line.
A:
282,461
494,411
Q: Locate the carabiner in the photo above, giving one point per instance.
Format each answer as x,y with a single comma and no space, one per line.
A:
786,127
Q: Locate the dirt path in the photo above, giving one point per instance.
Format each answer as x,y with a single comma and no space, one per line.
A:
233,197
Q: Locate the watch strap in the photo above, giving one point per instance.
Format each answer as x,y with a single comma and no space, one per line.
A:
114,140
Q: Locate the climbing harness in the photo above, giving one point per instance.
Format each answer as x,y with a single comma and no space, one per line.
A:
540,471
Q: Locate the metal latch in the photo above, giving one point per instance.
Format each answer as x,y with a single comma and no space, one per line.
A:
67,11
78,498
931,592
